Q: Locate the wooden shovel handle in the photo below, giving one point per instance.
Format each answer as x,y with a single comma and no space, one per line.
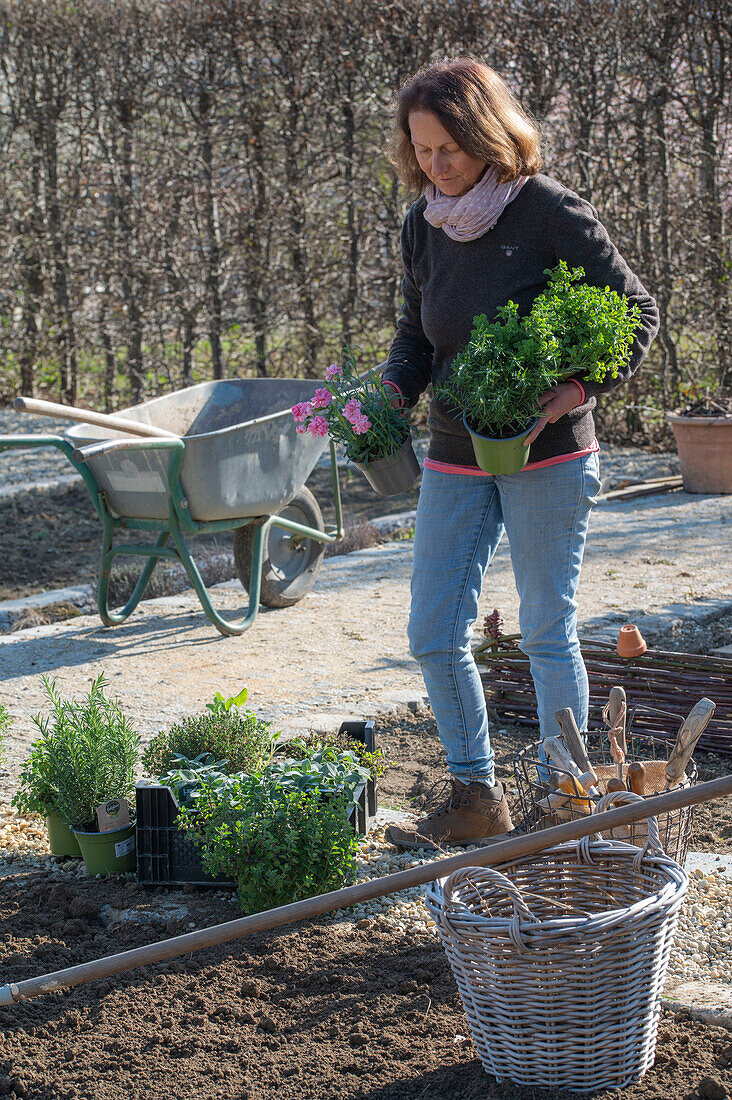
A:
86,416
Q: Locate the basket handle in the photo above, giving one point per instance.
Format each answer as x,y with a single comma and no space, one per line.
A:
623,798
501,882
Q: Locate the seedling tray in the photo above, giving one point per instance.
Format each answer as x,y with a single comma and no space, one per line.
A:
167,857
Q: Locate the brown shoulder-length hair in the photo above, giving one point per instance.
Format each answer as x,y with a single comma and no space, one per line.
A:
479,112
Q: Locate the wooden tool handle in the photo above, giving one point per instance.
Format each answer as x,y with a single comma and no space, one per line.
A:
637,778
615,784
86,416
617,706
497,852
573,740
686,740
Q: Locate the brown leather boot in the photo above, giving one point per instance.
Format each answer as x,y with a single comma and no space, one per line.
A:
472,813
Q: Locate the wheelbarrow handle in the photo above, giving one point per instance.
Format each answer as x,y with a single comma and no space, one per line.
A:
86,416
106,446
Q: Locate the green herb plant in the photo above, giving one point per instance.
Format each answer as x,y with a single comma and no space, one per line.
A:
240,740
86,755
224,706
35,793
497,378
334,742
194,780
280,845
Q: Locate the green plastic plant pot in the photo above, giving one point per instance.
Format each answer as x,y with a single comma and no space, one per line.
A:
393,474
108,853
61,837
501,456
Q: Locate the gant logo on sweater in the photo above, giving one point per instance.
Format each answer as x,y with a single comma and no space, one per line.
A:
509,249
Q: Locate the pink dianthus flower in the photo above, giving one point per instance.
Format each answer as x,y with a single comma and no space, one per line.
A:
352,409
318,426
332,371
301,411
321,398
361,424
301,429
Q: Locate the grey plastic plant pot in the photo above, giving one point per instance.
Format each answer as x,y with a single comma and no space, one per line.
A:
61,837
108,853
501,456
394,474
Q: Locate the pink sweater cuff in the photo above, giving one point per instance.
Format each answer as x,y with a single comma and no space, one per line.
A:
397,389
581,389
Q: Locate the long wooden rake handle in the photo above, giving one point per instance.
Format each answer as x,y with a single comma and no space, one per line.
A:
86,416
500,851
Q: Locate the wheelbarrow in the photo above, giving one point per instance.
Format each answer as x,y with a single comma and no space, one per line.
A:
219,456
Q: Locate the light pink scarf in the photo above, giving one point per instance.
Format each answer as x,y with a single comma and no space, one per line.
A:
471,215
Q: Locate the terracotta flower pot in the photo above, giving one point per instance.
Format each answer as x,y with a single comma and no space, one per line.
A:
631,642
704,444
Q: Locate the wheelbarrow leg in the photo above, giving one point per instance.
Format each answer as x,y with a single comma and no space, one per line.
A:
114,618
230,629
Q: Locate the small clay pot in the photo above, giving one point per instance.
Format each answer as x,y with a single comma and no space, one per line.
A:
631,642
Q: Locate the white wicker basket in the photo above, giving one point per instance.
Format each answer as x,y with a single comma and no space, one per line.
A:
560,960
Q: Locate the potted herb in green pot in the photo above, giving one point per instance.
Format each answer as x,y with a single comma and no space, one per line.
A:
356,411
92,753
496,380
35,795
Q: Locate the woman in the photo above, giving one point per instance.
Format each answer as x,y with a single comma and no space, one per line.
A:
487,225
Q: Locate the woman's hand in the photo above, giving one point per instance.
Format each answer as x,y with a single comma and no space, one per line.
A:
556,403
396,399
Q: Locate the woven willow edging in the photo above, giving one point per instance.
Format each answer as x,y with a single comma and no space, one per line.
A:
560,960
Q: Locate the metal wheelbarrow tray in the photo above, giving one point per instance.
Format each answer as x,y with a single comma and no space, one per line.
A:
238,464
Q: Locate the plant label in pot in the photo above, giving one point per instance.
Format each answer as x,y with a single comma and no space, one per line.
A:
112,815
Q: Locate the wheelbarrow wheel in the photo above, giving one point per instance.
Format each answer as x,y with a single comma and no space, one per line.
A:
290,564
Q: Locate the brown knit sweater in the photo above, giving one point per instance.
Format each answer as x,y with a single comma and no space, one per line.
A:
446,283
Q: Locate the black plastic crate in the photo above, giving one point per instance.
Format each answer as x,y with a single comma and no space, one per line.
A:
167,857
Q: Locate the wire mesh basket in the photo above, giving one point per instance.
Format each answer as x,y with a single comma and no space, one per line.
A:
532,781
560,959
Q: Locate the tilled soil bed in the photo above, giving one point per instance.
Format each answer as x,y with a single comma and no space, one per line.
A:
316,1010
321,1009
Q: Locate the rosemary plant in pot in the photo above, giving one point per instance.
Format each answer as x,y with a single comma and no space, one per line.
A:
92,753
35,794
356,411
496,380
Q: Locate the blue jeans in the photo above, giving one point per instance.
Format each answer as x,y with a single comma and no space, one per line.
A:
460,521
